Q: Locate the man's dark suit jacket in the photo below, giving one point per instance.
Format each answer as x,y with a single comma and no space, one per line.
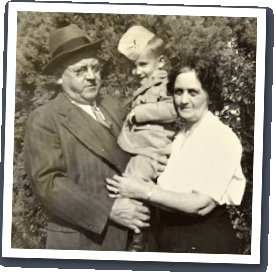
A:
68,157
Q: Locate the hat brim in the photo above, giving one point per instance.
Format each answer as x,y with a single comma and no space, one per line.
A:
54,62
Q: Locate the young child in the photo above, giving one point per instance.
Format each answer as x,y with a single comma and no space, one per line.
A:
148,129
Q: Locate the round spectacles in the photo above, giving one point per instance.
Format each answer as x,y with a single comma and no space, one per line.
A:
82,71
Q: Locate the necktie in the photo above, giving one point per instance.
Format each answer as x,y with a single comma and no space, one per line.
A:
100,118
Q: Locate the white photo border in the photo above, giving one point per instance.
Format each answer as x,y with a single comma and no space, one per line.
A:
13,8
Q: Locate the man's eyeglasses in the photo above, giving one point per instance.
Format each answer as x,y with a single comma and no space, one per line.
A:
82,71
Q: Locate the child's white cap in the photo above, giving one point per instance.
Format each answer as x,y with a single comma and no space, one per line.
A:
134,41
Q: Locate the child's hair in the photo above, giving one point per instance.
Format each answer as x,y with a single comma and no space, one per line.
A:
156,45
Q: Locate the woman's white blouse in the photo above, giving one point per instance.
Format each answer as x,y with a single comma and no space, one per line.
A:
206,160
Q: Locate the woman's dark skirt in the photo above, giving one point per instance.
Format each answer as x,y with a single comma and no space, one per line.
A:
178,232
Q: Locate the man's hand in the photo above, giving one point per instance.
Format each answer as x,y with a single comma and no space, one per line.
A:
162,159
130,119
161,162
130,213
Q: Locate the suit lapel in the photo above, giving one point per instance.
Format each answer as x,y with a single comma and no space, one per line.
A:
115,116
91,133
112,115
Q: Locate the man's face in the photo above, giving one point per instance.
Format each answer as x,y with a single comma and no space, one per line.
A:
81,78
146,64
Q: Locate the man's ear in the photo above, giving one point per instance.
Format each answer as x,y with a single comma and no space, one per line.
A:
58,76
59,80
161,62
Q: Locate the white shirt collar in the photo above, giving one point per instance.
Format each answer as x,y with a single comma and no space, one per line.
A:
86,107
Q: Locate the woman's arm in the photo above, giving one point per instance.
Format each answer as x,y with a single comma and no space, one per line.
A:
194,203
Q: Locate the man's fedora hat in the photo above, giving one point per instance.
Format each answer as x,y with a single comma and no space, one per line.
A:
65,41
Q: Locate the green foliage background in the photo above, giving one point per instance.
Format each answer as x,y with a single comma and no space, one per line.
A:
229,40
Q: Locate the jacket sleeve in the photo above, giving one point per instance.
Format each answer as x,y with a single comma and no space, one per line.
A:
161,111
46,168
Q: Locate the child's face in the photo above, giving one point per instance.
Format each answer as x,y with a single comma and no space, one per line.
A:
146,64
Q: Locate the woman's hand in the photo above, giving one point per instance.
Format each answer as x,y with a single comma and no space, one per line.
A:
128,187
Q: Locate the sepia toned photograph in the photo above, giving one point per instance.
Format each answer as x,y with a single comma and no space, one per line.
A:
135,133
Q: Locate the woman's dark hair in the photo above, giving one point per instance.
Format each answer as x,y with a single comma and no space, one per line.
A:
206,72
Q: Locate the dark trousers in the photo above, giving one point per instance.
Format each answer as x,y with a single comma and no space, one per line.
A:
178,232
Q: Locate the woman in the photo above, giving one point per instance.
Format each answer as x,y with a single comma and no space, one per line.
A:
203,173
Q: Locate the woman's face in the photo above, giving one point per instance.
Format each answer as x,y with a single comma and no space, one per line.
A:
190,99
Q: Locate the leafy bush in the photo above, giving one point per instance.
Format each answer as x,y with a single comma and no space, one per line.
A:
231,41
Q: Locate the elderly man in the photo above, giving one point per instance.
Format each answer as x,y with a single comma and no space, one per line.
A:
71,149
